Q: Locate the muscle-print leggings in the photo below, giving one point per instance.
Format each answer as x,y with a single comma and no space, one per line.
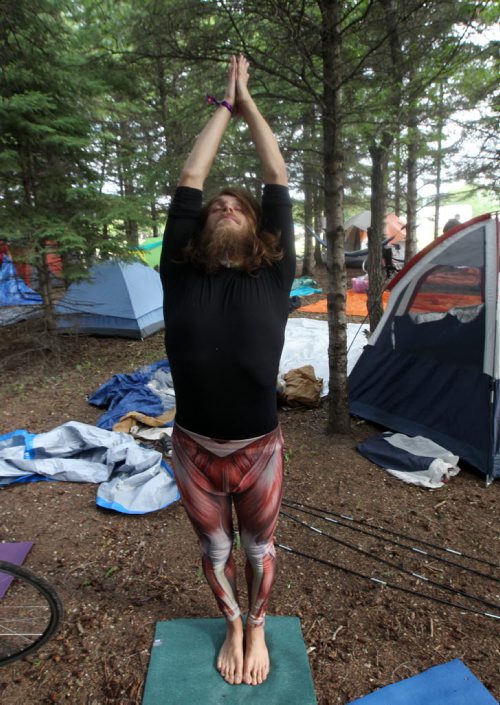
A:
211,475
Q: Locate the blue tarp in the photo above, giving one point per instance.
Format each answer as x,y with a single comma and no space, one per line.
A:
133,479
447,684
304,291
304,286
148,390
13,290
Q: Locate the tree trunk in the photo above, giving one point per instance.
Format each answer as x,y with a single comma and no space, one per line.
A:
127,186
338,413
411,190
318,201
397,178
162,100
45,289
439,160
154,218
376,232
379,152
308,261
36,248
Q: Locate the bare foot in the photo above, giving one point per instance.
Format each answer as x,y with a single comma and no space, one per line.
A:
256,666
230,659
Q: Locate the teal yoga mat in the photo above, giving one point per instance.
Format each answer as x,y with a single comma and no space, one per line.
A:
182,666
447,684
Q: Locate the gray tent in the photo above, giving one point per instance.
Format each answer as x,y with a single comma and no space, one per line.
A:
119,299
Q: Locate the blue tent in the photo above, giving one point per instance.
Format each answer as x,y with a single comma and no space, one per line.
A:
120,299
13,290
432,366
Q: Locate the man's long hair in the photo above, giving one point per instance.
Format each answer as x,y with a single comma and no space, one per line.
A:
259,249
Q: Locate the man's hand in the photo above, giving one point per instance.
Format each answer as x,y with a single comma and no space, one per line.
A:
243,97
230,94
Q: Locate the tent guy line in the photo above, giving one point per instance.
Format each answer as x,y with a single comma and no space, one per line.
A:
400,568
412,549
296,505
384,583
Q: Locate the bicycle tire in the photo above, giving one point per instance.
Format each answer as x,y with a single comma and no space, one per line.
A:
50,604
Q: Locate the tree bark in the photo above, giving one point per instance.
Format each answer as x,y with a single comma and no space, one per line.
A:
338,413
318,201
376,231
411,176
45,289
411,189
308,261
397,178
379,152
127,186
308,187
439,160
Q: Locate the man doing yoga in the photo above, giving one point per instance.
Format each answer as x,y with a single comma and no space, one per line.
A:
227,269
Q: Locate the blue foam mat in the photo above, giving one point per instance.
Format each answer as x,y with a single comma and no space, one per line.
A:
182,666
447,684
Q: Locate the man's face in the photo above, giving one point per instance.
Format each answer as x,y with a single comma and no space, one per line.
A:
227,213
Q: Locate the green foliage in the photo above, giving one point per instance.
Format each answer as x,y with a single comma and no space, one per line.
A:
100,102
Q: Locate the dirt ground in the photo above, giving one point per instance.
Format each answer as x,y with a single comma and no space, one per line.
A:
117,575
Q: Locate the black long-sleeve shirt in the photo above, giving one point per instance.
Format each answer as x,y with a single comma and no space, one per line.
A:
224,332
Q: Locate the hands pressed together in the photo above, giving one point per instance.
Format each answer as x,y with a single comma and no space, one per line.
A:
237,101
237,93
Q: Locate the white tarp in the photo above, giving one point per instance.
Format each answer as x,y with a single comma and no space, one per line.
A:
413,459
306,343
132,479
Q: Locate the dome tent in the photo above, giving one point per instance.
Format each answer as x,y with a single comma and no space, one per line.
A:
120,299
432,365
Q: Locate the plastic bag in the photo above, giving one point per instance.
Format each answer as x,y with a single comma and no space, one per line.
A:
302,387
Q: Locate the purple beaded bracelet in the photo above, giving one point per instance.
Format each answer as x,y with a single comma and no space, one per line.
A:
213,101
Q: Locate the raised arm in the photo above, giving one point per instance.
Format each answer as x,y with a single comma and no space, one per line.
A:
269,154
200,160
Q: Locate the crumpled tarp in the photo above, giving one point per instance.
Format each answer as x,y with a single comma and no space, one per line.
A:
15,314
133,479
416,460
304,286
149,390
13,290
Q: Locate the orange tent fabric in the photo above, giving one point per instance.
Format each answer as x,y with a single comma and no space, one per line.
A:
425,302
355,304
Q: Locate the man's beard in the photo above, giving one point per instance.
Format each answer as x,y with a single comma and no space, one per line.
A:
227,243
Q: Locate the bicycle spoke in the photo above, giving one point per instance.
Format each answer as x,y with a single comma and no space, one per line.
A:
29,612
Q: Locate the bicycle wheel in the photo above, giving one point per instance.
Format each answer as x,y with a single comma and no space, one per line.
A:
30,612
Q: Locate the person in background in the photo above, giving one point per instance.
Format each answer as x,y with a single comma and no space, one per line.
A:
227,269
451,223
